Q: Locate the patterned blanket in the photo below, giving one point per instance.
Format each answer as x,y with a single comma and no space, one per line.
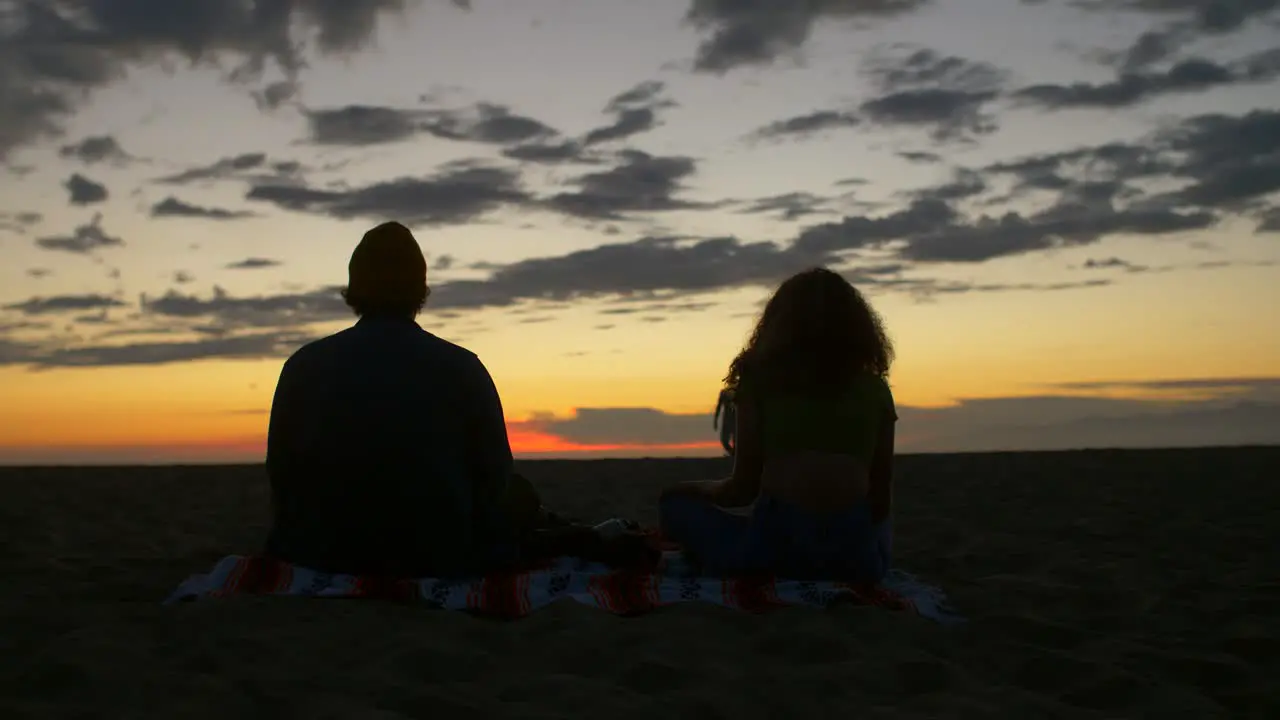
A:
516,594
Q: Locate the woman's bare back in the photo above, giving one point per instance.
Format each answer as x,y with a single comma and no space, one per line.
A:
820,482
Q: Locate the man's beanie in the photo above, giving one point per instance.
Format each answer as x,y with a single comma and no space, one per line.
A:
387,266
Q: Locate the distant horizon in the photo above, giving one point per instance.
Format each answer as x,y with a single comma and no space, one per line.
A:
1072,234
723,457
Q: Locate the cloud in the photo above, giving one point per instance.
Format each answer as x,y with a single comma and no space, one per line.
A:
1112,262
1064,423
360,125
487,123
64,303
638,183
442,262
1134,87
83,240
806,125
921,157
254,346
253,263
627,426
57,53
456,195
1013,233
38,273
1243,413
789,206
547,153
1269,221
357,125
84,191
249,165
945,93
630,122
223,312
173,207
95,149
756,32
18,222
635,111
182,277
1188,21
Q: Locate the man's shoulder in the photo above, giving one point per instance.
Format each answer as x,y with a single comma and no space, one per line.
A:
444,348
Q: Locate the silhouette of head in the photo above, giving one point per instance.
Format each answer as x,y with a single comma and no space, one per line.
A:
815,332
387,274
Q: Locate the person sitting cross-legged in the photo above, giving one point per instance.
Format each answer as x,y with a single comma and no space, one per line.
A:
813,452
387,449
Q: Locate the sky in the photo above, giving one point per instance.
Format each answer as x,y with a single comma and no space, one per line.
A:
1067,211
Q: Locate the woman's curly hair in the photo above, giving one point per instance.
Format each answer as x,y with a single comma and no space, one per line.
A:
816,333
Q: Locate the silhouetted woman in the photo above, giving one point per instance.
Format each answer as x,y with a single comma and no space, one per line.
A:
814,445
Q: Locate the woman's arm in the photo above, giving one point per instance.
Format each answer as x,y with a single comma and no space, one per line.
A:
880,492
743,486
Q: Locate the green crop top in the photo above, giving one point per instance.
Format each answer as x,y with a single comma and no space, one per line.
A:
846,422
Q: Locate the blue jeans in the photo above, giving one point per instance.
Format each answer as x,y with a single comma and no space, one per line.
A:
779,538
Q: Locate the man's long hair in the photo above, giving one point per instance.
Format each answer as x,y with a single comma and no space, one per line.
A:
816,333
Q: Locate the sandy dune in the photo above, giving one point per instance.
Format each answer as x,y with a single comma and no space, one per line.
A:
1099,584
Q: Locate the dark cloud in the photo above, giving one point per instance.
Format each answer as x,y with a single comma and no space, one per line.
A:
789,206
921,157
1225,162
1112,263
487,123
635,111
636,269
226,313
629,426
806,125
442,262
1012,233
1222,386
645,94
83,240
56,53
18,222
944,93
84,191
547,153
253,263
1063,423
276,94
173,207
95,149
459,194
1134,87
963,185
757,32
950,114
638,183
254,166
254,346
1247,414
1187,21
356,125
1269,221
64,303
900,68
630,122
38,273
182,277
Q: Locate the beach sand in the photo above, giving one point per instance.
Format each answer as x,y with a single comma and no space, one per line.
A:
1097,583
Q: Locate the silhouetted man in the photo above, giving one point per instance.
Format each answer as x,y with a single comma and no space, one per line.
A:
387,450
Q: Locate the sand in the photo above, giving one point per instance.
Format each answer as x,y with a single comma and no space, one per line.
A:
1098,584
